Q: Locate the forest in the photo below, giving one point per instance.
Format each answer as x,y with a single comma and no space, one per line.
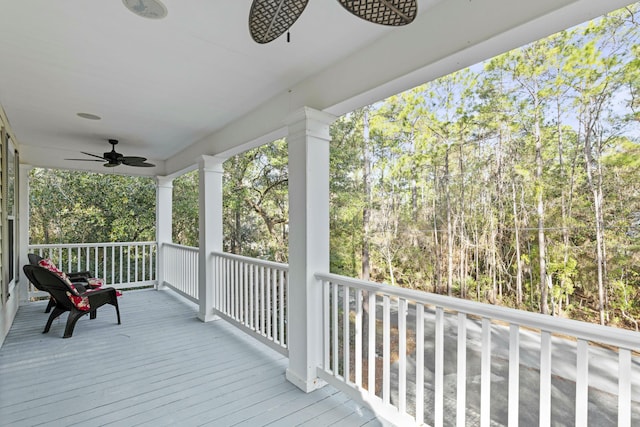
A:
512,182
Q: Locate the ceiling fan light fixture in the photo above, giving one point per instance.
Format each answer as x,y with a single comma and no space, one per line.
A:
152,9
269,19
393,13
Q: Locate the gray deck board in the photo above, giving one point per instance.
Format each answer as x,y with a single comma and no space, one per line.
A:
162,366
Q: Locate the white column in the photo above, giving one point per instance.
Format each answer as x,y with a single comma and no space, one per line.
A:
308,142
23,230
164,222
210,181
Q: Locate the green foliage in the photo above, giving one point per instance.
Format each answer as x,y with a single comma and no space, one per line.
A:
457,168
256,203
185,225
80,207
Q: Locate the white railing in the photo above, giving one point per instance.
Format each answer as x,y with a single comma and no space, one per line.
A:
252,294
120,265
180,269
423,358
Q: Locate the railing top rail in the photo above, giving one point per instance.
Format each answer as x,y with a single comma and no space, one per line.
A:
85,245
602,334
177,246
250,260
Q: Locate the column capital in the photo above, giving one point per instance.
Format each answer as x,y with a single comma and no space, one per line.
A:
164,182
309,122
211,163
308,113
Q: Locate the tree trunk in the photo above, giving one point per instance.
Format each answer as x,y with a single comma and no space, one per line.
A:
517,243
544,290
449,225
596,191
462,239
366,210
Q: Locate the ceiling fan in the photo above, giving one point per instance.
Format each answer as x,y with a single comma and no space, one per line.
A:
113,158
269,19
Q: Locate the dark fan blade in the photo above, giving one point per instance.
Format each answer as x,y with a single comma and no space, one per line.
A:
386,12
269,19
132,159
136,161
88,160
93,155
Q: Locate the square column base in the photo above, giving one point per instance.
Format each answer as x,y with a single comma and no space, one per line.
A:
302,384
208,317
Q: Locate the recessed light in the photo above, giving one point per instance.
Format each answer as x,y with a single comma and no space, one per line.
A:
152,9
89,116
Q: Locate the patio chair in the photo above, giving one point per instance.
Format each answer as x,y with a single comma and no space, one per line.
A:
74,276
80,279
67,297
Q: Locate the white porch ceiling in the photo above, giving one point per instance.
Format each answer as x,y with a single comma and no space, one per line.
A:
195,82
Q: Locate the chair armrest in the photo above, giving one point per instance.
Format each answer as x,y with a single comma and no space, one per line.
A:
78,275
81,287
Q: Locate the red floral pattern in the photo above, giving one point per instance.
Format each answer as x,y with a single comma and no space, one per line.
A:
80,302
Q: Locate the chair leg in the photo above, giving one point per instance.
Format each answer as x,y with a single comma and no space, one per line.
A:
50,305
74,315
114,302
57,311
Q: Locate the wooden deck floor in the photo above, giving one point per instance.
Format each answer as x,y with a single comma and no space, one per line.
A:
162,366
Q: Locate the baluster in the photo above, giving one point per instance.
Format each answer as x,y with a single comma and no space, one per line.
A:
120,263
438,415
582,382
136,264
514,374
268,302
402,350
326,321
236,291
128,263
252,302
144,264
485,374
262,304
256,309
545,379
282,308
274,307
358,338
371,381
624,387
334,329
345,333
386,349
227,286
419,364
104,261
113,264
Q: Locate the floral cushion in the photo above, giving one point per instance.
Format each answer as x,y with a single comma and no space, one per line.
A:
80,302
95,283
